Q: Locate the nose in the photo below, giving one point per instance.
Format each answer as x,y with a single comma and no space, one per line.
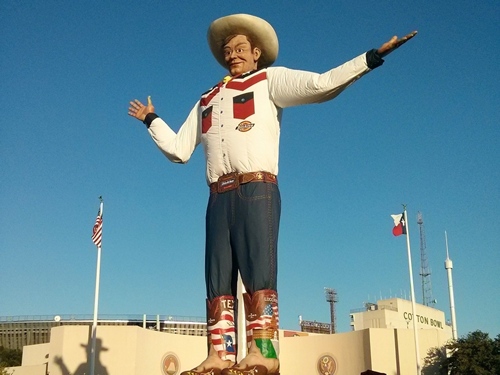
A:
233,54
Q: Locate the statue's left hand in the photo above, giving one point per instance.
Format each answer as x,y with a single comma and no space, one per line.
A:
394,43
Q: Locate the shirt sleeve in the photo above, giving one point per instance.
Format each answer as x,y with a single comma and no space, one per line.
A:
289,87
177,147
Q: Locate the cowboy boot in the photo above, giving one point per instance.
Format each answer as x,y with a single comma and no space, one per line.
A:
221,338
262,319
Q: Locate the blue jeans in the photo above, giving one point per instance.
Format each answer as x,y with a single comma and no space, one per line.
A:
242,234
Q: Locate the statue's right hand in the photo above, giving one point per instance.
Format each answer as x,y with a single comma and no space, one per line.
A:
139,110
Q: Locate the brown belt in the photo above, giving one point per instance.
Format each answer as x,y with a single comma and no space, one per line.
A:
231,181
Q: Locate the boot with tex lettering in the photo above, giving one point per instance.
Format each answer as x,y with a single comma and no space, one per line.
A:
262,320
221,337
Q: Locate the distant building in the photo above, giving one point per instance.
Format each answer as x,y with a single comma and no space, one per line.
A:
19,331
315,327
397,313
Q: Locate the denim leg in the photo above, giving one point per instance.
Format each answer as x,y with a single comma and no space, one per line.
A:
254,234
219,261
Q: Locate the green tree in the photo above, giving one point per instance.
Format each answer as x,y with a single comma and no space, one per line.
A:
435,362
10,357
473,354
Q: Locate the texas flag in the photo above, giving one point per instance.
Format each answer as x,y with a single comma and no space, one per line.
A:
399,225
228,343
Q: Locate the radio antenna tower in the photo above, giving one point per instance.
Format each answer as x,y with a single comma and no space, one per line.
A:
332,299
425,271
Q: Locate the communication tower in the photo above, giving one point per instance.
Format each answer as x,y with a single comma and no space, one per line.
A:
332,299
425,271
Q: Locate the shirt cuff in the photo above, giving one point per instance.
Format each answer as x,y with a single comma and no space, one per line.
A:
149,119
373,59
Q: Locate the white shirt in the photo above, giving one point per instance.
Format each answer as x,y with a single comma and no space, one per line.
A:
238,122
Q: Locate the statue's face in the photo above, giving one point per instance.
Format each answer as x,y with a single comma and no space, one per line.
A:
239,55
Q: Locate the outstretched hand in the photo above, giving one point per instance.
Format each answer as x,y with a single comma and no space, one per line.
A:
394,43
139,110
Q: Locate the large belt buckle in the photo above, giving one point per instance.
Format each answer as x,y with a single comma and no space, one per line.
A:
227,182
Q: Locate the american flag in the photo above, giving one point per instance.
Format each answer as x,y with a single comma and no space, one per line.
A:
97,230
265,320
223,335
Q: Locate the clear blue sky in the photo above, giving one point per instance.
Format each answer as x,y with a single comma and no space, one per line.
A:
423,130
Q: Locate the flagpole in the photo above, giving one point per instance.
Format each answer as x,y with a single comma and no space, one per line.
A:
448,265
413,305
96,301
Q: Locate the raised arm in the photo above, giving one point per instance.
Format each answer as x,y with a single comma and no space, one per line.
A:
292,87
177,147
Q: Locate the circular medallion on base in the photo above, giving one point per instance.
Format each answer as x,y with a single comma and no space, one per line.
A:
170,364
327,365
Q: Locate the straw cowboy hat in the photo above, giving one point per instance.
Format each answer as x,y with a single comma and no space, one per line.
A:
259,30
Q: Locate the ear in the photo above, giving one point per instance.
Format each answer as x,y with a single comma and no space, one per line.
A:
256,53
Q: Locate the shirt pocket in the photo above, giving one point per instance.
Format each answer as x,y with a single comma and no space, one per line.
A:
243,105
206,119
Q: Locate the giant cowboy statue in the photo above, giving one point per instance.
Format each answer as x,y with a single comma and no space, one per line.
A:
238,123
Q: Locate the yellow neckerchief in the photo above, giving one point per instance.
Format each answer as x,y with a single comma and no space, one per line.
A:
227,78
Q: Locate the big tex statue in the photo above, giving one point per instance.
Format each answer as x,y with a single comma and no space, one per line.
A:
238,123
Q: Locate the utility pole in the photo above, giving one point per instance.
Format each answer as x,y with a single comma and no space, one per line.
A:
332,299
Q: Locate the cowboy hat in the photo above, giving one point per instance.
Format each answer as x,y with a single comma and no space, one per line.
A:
260,31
